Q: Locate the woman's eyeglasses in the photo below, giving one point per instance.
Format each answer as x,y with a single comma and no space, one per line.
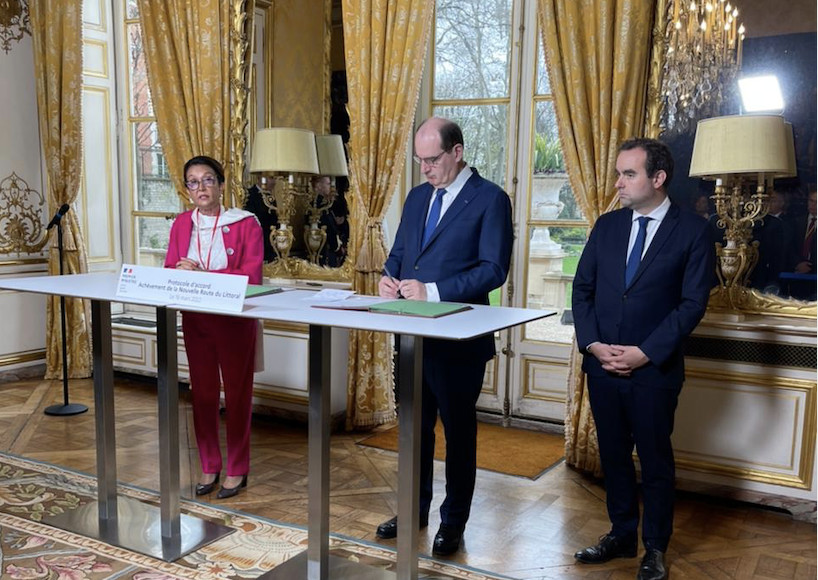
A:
205,182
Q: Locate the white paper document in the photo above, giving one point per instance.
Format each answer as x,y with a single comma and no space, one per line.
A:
201,290
330,295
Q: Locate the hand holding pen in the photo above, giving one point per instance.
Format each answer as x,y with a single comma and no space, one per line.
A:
389,285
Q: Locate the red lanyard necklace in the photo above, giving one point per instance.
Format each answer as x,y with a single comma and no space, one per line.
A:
206,265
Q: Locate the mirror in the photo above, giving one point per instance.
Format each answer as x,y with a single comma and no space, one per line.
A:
307,90
784,276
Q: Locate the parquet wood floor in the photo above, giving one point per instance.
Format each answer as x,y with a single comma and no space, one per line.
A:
518,527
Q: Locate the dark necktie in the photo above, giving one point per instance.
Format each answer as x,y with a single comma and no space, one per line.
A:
806,248
636,253
434,217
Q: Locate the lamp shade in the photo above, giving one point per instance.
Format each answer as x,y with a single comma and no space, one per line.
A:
754,144
331,158
284,150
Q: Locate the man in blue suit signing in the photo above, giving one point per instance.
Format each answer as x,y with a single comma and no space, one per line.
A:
453,244
641,287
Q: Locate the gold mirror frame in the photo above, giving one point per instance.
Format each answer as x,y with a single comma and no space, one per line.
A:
241,131
722,299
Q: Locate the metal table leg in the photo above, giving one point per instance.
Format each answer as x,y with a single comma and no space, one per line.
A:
411,365
316,563
162,533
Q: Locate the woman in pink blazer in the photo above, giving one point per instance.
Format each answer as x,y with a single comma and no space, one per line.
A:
210,238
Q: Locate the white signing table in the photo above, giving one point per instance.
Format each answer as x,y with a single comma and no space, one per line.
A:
131,528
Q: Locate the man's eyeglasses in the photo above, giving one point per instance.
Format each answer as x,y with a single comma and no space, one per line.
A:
430,161
205,182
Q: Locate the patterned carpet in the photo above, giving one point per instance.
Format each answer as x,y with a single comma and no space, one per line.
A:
30,549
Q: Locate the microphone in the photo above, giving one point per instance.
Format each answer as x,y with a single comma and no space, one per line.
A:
58,216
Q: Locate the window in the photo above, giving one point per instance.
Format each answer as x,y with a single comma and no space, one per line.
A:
556,227
153,198
471,79
475,72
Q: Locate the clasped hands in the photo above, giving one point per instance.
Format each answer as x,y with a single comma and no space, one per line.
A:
619,359
409,289
187,264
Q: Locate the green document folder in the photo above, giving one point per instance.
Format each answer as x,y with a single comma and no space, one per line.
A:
419,308
254,290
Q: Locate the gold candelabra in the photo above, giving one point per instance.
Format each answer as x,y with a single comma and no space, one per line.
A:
737,215
288,158
743,153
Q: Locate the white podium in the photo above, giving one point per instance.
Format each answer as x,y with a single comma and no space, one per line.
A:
169,535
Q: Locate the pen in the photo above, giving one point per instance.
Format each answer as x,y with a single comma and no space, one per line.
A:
391,277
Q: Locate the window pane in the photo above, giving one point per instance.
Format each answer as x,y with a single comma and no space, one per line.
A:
472,49
553,254
551,195
543,81
131,9
141,105
484,132
152,240
154,189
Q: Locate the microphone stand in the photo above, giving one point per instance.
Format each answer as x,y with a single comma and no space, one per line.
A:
66,408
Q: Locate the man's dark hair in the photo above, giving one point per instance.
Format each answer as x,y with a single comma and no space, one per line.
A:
210,162
450,135
658,154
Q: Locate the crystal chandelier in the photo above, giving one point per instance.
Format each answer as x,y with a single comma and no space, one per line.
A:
703,54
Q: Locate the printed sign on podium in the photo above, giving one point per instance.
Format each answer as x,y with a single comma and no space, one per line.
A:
199,290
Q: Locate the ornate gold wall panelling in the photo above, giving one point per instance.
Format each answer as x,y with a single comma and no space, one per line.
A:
751,301
94,15
22,357
94,58
96,157
490,386
21,227
772,386
136,354
549,368
241,33
286,327
14,23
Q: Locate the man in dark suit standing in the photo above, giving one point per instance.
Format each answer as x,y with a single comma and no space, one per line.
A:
641,287
805,238
453,244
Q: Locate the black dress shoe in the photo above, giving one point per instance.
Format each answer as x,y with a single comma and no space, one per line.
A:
608,548
206,488
389,529
447,540
652,566
226,492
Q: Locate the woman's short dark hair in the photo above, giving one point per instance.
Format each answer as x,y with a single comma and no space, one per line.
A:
210,162
658,154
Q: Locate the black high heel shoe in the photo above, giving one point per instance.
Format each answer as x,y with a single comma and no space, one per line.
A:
206,488
226,492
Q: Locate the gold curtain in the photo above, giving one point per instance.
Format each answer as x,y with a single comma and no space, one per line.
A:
598,55
386,44
56,32
186,48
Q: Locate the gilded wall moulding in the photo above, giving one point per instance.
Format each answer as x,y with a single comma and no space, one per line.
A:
21,226
14,22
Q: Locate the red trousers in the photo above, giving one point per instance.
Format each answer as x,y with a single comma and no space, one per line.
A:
223,346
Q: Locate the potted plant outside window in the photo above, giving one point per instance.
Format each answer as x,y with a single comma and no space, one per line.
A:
548,179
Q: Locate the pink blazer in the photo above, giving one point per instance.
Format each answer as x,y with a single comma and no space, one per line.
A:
243,242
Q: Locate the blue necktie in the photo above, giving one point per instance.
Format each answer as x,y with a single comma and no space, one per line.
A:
434,217
636,253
